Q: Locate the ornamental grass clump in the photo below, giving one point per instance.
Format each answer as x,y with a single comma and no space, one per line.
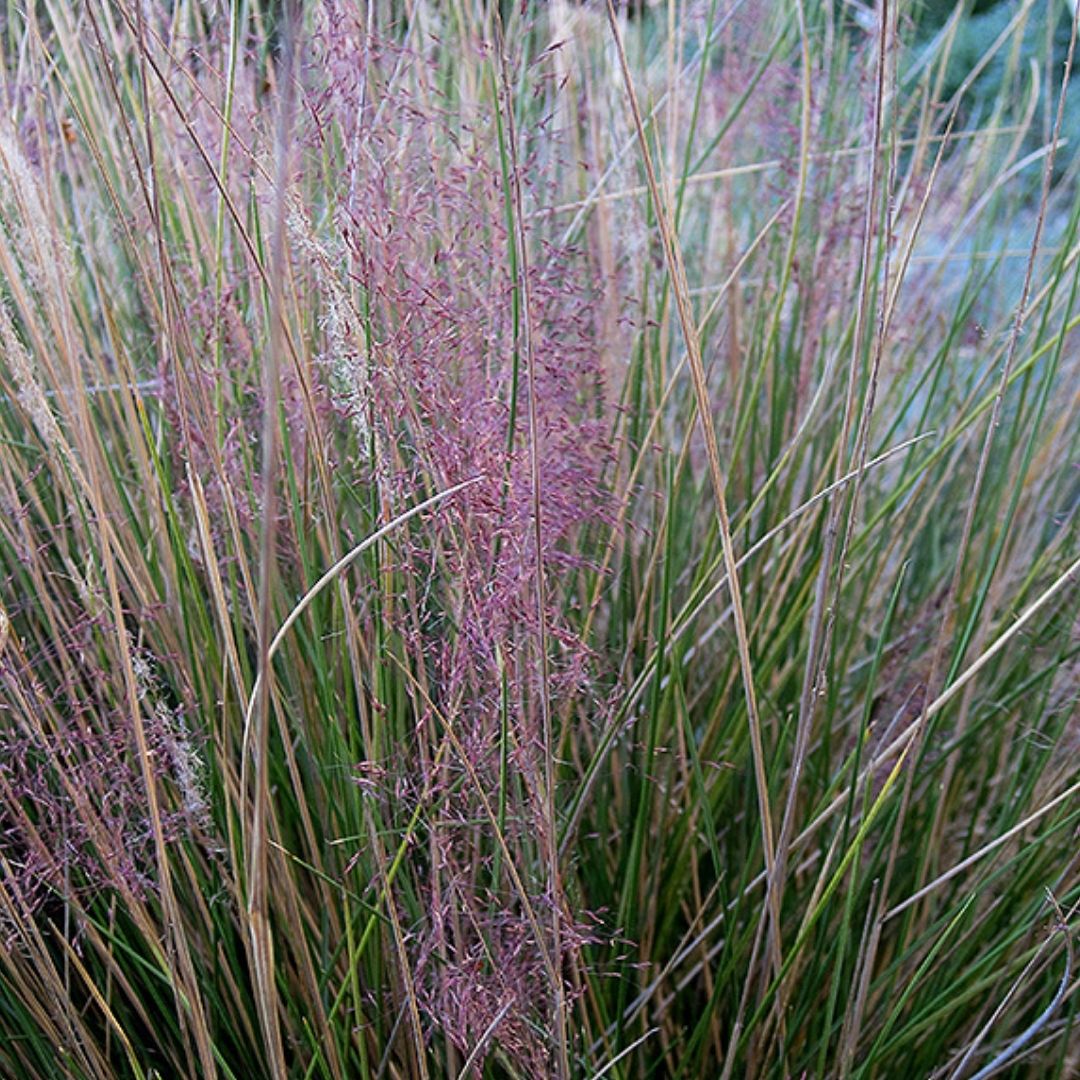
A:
434,323
537,540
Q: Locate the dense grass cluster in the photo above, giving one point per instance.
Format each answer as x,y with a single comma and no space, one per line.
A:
538,540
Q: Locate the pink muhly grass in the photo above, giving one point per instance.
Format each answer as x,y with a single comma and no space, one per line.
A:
73,808
409,378
427,307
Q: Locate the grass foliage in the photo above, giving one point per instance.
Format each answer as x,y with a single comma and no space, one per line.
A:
538,542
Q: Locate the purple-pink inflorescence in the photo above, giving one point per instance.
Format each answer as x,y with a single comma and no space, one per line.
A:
428,349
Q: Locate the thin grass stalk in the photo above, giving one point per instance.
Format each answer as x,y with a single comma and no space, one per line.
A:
678,278
257,823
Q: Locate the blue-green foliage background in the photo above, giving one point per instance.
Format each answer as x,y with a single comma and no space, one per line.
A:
1047,24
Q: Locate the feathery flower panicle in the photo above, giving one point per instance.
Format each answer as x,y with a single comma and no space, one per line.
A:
29,391
440,390
43,256
74,820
